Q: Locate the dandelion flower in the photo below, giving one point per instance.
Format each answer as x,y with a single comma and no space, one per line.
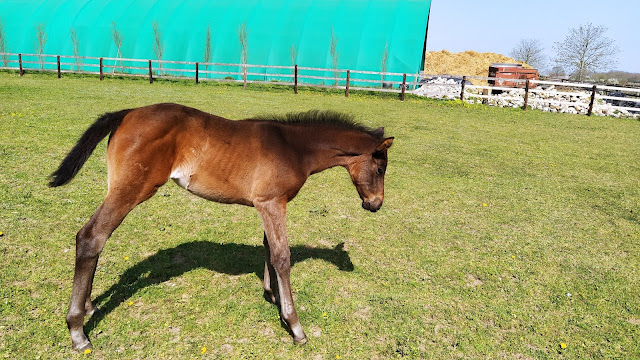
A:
337,356
87,351
203,350
563,345
324,314
130,303
126,258
484,204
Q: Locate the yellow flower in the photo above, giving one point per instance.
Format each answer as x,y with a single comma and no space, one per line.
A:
324,314
563,345
513,256
203,350
87,351
126,258
337,356
130,303
484,204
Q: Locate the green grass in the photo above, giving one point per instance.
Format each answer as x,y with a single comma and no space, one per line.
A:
504,233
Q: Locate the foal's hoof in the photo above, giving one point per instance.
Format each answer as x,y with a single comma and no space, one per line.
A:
270,297
301,341
81,348
299,337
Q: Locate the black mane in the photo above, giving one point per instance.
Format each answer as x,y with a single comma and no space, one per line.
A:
322,117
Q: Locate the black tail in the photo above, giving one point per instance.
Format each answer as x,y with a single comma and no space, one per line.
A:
105,125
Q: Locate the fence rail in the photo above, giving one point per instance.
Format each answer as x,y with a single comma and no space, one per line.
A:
548,95
346,79
200,71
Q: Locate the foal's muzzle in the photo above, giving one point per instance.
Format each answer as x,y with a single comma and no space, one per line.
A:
372,205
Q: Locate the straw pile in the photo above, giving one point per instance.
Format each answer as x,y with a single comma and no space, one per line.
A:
468,63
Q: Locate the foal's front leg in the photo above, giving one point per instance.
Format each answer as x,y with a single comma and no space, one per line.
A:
273,214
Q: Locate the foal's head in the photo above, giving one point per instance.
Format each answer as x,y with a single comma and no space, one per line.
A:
367,173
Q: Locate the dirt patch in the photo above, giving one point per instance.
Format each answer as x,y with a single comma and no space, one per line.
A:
315,331
364,313
473,281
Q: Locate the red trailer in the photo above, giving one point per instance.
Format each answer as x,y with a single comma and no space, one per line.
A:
511,71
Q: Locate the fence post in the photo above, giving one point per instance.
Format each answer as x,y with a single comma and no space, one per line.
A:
593,100
295,79
101,71
346,90
20,63
526,94
58,59
404,83
150,73
464,80
196,72
244,76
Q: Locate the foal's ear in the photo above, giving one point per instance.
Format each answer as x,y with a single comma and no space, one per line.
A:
379,132
385,144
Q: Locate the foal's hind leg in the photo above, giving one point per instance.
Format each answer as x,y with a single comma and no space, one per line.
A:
90,241
269,281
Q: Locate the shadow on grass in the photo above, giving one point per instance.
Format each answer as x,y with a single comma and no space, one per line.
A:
232,259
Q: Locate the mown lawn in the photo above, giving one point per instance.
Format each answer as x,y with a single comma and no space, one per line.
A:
504,234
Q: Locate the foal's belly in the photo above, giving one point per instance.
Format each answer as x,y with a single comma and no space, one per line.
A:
215,188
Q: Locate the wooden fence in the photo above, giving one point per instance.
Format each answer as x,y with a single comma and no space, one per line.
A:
593,93
546,95
308,76
199,71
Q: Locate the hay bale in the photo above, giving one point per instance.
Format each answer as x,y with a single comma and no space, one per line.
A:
470,63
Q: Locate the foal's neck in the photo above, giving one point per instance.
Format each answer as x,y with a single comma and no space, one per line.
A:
324,148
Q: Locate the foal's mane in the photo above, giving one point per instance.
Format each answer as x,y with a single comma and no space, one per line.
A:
322,117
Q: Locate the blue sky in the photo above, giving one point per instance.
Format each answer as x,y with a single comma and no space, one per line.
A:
498,25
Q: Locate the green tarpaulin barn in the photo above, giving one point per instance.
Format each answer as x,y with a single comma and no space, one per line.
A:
279,32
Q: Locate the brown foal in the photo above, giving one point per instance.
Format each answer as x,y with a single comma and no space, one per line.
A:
260,162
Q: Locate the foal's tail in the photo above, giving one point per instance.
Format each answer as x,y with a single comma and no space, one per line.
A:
105,125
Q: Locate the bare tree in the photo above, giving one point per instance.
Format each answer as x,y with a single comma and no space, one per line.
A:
293,54
3,45
383,62
207,49
529,51
158,48
76,48
41,41
585,50
557,71
244,56
117,39
335,55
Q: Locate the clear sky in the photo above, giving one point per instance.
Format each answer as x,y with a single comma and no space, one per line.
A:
498,25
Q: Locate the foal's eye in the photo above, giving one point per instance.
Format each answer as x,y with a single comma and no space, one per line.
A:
380,170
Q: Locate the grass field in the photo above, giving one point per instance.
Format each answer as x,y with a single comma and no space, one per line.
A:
504,234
